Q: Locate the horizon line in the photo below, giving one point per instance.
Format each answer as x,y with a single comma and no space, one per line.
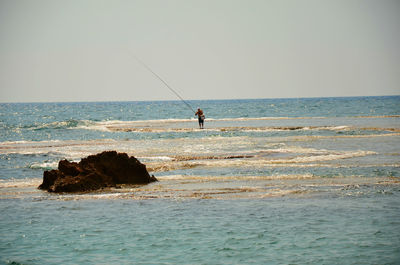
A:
171,100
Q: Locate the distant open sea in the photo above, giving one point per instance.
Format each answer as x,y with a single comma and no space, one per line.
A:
268,181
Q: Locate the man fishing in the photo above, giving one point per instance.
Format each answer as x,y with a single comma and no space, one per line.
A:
201,117
199,112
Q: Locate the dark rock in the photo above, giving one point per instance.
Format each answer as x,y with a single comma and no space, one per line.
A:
69,168
107,169
49,177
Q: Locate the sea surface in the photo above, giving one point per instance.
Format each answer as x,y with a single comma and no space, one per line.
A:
268,181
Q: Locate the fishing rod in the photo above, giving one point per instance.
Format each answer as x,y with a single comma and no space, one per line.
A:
165,83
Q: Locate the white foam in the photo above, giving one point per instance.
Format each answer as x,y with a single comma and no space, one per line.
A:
44,165
236,177
116,125
326,157
113,125
162,158
295,149
173,177
297,157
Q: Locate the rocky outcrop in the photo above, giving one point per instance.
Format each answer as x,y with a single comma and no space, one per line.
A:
107,169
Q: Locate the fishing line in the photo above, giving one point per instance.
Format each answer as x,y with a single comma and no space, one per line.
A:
165,83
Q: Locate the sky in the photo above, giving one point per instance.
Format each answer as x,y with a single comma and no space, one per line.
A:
84,50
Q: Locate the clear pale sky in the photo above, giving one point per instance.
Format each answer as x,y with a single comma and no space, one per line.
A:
77,50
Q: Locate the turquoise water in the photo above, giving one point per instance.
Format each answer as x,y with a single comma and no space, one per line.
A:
268,181
348,230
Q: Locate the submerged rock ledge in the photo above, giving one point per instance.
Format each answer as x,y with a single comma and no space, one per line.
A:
106,169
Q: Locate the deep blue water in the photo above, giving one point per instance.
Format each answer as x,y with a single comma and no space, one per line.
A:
313,181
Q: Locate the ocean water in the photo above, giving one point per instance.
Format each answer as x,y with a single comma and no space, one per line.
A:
268,181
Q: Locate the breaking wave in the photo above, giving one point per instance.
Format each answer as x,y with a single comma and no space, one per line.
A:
177,125
61,125
44,165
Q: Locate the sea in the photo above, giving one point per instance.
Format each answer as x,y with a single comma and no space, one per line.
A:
267,181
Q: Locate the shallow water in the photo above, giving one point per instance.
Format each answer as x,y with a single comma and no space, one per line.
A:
319,230
277,181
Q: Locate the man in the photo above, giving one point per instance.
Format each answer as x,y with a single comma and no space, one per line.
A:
201,117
